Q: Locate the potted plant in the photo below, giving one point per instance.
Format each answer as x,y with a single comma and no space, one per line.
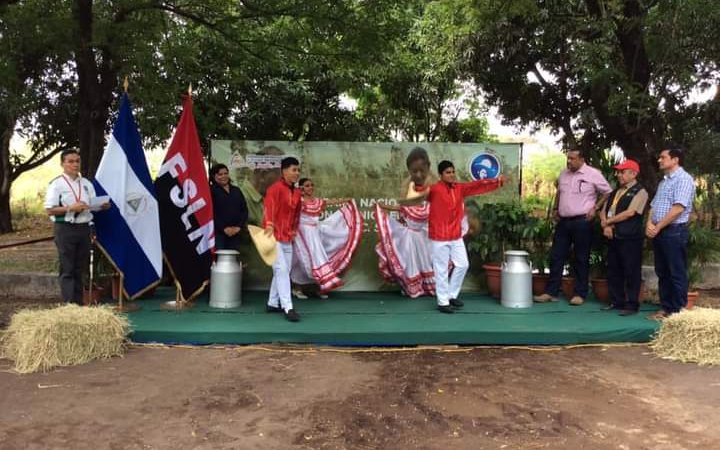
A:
703,248
503,226
598,264
539,242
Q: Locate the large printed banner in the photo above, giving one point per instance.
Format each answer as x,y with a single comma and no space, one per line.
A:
367,172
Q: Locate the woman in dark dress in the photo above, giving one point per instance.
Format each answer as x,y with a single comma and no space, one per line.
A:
229,208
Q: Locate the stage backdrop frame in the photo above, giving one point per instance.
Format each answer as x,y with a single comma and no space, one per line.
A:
366,171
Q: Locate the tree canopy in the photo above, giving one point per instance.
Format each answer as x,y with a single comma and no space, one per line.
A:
602,72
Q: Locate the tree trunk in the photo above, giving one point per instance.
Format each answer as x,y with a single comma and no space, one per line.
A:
5,213
6,173
96,79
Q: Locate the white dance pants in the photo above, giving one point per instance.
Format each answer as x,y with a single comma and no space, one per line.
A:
447,287
280,287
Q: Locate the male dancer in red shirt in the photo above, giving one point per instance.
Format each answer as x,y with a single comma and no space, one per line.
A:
447,209
281,217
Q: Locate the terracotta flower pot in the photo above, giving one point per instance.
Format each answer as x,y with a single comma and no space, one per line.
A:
492,274
567,285
539,283
600,288
691,299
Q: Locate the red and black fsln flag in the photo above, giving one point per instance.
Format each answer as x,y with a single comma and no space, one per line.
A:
186,217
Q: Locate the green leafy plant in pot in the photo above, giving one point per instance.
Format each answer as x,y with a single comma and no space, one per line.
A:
538,241
503,226
598,264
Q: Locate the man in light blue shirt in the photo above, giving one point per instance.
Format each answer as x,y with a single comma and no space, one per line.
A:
667,226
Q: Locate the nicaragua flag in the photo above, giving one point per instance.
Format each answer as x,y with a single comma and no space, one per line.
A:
129,232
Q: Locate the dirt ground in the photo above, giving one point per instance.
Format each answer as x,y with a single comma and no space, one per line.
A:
257,397
37,257
279,398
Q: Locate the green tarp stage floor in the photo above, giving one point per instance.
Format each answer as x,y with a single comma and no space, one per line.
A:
379,318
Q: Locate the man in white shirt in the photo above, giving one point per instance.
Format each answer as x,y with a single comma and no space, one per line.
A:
67,202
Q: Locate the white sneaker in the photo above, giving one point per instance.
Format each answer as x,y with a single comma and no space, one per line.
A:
323,296
299,294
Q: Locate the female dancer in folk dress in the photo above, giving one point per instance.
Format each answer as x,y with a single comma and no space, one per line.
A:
403,246
323,249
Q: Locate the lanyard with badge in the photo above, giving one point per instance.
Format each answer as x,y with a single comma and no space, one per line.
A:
616,200
77,196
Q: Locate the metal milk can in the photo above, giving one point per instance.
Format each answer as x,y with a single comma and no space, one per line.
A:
516,279
226,280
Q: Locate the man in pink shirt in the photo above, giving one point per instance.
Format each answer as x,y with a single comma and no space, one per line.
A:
581,191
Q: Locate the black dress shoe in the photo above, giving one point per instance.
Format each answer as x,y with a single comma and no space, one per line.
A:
611,308
273,309
456,303
292,316
447,309
628,312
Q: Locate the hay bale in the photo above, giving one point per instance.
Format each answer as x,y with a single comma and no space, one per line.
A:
38,340
690,336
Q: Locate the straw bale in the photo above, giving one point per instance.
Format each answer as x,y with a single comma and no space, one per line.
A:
690,336
38,340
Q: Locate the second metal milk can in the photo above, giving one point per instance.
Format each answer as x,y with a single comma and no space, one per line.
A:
516,279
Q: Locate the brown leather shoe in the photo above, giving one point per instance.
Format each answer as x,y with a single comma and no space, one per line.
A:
577,300
544,298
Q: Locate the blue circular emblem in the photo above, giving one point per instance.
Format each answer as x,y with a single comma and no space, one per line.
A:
484,165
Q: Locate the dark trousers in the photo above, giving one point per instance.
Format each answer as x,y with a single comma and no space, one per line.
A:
576,233
670,248
225,242
73,244
624,267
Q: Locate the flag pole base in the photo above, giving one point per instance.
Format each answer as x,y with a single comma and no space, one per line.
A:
126,307
174,305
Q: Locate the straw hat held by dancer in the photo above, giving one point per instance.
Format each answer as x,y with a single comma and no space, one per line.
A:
322,249
282,205
403,246
447,209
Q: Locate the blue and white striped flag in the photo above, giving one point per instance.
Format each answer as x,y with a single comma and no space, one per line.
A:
129,232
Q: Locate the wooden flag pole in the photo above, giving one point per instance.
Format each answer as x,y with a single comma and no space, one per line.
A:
121,307
178,304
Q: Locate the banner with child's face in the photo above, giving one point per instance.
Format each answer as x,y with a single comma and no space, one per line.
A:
367,172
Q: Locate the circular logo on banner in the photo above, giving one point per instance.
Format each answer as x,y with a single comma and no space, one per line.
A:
484,165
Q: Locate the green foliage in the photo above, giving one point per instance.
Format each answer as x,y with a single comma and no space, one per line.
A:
418,91
598,252
540,172
539,241
703,248
604,73
503,226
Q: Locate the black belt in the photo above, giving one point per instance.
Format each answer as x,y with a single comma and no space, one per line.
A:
581,216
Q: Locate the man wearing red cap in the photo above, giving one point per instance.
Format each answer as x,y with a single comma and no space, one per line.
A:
622,222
